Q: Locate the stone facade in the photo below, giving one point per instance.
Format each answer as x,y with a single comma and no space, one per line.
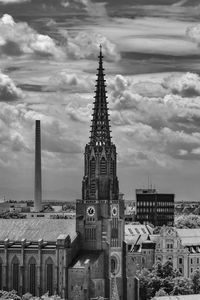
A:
25,264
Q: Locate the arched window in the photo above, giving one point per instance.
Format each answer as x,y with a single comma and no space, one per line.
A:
1,274
113,265
15,274
112,167
32,276
49,276
103,166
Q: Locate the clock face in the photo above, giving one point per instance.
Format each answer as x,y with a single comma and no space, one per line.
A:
114,211
90,211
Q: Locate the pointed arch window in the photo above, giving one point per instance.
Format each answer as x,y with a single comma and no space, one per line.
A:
1,274
15,274
112,167
49,276
32,276
103,166
92,167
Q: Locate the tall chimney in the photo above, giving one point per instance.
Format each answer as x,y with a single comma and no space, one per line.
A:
38,175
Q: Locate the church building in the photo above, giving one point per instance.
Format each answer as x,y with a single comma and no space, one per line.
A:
77,259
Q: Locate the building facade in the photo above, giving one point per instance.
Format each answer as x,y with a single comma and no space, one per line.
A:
179,246
35,255
154,208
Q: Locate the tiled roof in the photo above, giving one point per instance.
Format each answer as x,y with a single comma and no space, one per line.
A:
189,236
35,229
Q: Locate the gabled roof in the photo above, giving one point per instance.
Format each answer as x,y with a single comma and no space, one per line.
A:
34,229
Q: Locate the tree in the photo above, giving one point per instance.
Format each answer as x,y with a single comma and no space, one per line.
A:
196,281
161,293
187,221
182,286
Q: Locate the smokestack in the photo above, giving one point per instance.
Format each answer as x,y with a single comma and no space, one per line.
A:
38,175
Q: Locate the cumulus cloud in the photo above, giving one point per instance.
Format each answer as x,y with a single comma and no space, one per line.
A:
8,89
20,38
158,126
79,113
186,85
193,33
86,45
70,81
18,123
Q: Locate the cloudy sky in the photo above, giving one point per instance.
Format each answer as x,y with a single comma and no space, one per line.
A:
48,61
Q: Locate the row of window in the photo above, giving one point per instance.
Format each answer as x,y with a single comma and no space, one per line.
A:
90,234
32,276
154,203
151,210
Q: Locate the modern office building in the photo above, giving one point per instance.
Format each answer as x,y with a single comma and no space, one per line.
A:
154,208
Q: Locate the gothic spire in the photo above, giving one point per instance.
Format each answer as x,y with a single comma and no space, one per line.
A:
100,128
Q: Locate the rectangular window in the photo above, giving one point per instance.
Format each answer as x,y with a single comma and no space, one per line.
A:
191,261
180,260
197,260
181,270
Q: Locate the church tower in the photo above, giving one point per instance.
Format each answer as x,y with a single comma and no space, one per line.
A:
100,213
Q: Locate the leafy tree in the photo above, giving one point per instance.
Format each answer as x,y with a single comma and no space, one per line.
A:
196,281
182,286
161,293
187,221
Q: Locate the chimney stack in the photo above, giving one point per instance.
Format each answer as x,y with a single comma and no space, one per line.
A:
38,175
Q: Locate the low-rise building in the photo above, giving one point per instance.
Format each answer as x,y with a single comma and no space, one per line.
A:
181,247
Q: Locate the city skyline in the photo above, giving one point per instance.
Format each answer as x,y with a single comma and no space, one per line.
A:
48,56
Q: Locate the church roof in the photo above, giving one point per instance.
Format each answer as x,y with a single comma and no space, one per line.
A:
33,229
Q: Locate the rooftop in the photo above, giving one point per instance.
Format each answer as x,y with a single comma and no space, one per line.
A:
180,297
135,229
189,236
36,229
